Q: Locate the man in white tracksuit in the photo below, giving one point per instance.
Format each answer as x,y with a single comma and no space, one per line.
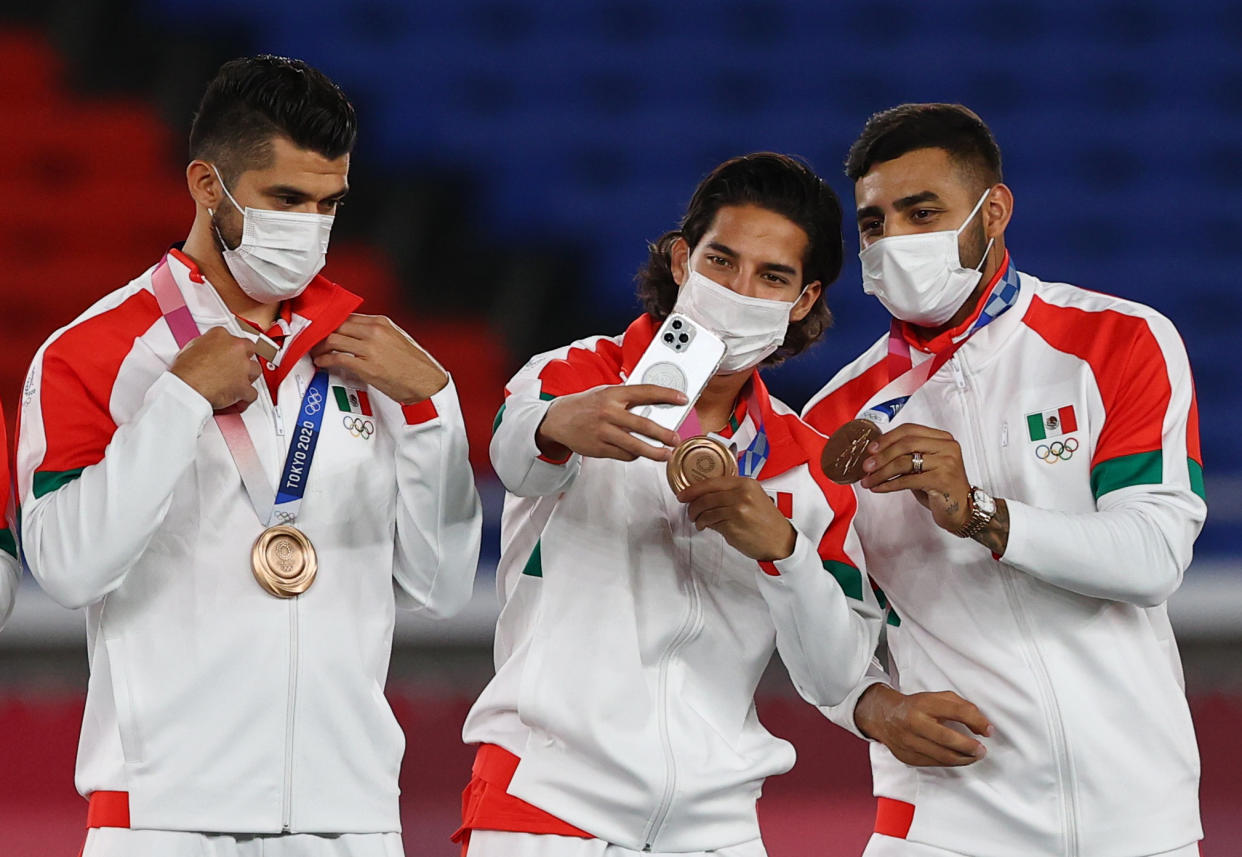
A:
636,620
240,573
1030,506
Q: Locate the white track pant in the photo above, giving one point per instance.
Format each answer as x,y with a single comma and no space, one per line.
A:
887,846
122,842
499,843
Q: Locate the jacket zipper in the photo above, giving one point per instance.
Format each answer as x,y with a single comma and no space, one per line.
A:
286,809
286,799
689,628
1052,710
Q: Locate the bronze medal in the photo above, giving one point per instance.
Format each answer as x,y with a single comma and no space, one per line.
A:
845,451
283,561
699,458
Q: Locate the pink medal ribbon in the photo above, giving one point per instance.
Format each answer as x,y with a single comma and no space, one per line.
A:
232,427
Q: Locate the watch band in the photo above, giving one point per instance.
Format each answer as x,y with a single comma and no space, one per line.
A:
978,517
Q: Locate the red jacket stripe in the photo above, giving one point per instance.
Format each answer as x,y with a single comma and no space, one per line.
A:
843,404
79,369
581,369
1129,370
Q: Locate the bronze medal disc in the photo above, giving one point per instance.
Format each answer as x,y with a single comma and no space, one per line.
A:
845,451
699,458
283,560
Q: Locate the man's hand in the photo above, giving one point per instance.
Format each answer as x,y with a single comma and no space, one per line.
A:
913,727
738,509
597,423
374,351
942,486
221,368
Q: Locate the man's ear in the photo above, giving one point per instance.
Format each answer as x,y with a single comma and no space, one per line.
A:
802,306
204,185
997,210
679,260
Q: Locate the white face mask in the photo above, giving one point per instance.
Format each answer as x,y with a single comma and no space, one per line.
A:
752,328
280,251
919,278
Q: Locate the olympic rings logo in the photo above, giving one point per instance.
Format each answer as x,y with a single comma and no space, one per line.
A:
358,427
1057,451
314,401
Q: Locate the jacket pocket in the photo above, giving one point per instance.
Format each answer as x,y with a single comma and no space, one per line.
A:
124,702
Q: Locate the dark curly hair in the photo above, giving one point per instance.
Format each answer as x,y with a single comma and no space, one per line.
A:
781,184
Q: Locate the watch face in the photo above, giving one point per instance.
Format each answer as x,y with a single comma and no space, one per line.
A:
984,502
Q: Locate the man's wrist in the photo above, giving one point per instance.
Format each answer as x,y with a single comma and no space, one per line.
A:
995,533
866,710
549,449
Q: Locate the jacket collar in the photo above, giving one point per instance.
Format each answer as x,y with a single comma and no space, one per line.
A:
313,315
985,342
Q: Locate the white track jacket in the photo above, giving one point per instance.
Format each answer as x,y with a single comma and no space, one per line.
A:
216,706
1078,409
630,644
10,569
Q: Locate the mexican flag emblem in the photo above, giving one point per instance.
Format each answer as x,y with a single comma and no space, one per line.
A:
1053,423
352,401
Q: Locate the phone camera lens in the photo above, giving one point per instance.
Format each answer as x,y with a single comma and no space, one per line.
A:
668,337
684,339
676,324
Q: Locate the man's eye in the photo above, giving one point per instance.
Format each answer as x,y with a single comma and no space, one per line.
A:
718,260
775,279
869,226
923,214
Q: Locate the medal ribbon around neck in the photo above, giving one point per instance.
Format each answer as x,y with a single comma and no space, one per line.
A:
906,379
272,507
750,460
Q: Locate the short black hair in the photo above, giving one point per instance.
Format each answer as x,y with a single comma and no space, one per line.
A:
952,127
253,99
783,185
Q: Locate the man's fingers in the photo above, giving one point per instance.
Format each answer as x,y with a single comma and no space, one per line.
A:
623,440
632,422
338,342
361,326
917,759
965,713
650,394
712,518
938,752
902,465
707,502
910,482
341,360
953,740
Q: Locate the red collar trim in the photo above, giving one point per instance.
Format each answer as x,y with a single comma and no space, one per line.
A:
195,274
945,339
323,303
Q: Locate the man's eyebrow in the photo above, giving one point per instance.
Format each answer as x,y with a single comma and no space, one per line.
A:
286,190
776,267
914,199
869,211
300,194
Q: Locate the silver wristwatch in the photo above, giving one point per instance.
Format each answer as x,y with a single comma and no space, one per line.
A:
982,508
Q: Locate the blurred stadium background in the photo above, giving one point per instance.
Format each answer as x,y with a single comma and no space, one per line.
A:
514,158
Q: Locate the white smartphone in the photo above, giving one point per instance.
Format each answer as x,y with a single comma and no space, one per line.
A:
684,356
